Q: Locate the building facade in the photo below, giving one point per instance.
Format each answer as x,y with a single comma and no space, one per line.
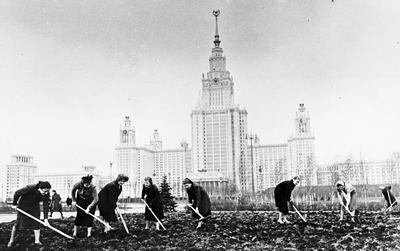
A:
150,161
362,172
270,164
219,129
64,182
21,171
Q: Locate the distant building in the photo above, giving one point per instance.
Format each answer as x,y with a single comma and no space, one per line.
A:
362,172
219,128
63,183
275,163
20,172
150,161
270,163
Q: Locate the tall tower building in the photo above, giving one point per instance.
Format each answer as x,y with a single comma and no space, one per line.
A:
219,129
20,172
301,149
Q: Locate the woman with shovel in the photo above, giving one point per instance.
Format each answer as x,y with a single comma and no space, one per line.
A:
28,199
84,194
201,204
347,196
283,192
152,197
108,197
389,197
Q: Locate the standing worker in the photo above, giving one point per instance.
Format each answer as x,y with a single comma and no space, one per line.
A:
347,196
389,197
84,194
108,197
282,193
199,199
55,204
28,199
153,199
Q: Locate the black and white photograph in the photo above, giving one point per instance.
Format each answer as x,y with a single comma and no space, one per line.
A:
199,125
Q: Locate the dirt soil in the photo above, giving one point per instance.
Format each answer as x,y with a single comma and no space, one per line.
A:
225,231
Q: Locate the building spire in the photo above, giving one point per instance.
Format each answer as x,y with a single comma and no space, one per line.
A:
216,41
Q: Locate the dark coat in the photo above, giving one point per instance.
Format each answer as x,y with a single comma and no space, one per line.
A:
199,198
28,199
108,197
84,197
282,193
387,193
153,199
56,202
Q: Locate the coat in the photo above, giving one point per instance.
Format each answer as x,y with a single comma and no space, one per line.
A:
55,202
108,197
84,197
28,199
389,197
199,199
283,192
153,199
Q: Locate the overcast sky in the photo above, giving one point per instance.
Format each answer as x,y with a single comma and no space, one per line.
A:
71,70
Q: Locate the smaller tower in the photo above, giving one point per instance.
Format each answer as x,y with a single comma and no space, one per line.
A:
302,122
156,141
127,133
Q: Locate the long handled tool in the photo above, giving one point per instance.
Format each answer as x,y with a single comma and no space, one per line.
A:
390,205
297,211
153,214
122,219
94,216
41,222
201,216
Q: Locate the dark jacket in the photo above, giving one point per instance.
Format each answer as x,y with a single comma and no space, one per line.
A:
108,197
153,199
283,192
29,197
55,201
199,198
389,197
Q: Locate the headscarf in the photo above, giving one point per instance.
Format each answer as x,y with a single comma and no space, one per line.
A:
187,181
87,179
122,177
149,180
44,185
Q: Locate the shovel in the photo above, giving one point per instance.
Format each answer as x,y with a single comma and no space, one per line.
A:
390,206
94,216
122,219
297,211
41,222
153,214
201,216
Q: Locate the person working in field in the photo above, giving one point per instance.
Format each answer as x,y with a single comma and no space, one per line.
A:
28,199
283,192
84,194
152,197
199,199
55,204
389,197
108,197
347,196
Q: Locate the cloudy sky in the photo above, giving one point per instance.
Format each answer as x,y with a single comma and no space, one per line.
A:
71,70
